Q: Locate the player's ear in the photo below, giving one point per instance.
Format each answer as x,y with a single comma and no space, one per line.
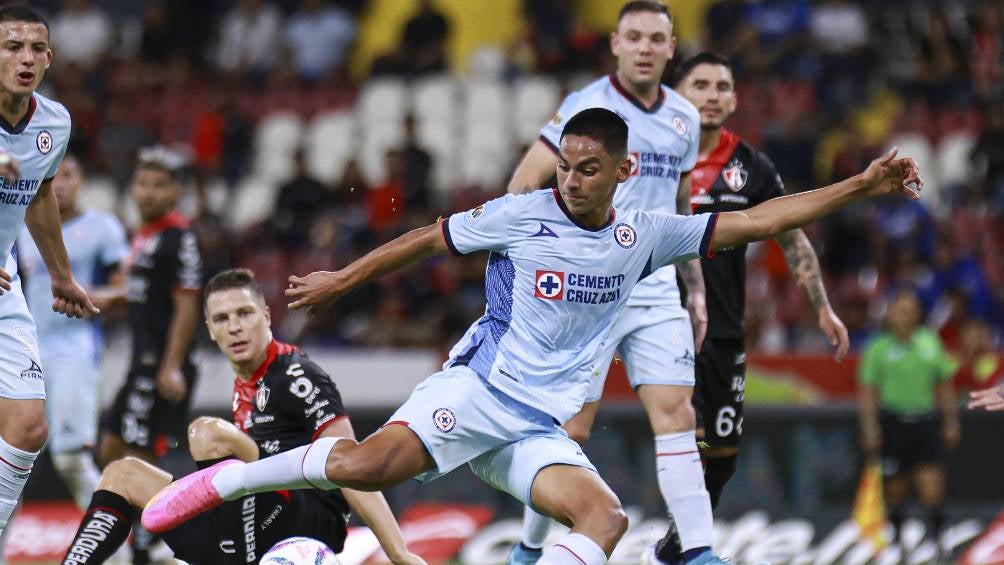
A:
268,316
615,43
624,170
48,58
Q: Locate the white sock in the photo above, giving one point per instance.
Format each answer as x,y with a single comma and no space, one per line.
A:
79,473
535,528
15,467
300,468
574,549
681,481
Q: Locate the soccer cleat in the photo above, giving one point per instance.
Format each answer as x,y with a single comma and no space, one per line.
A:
523,555
184,499
707,558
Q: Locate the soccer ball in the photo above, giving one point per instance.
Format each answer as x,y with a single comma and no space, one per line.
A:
299,551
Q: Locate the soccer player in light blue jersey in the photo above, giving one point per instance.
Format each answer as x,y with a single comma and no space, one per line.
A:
653,334
33,135
561,266
71,349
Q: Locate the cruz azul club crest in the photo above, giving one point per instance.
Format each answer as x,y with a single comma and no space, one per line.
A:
735,175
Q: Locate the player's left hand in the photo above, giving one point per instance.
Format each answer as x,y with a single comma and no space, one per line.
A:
888,175
990,399
8,166
171,384
71,300
835,331
698,309
407,558
316,291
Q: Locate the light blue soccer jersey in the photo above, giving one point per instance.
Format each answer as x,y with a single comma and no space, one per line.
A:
554,289
662,144
94,241
38,143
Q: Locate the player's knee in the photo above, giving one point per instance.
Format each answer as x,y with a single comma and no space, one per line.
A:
116,474
31,432
207,440
600,514
673,417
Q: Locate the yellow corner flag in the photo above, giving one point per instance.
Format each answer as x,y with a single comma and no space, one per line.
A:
869,506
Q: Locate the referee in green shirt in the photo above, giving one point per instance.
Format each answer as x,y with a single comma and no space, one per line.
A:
908,411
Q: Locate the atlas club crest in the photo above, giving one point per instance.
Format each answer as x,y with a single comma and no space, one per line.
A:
735,175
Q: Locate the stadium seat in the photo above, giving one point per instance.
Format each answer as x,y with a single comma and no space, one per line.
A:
435,99
278,137
100,193
536,100
952,158
329,143
252,203
382,100
487,155
486,102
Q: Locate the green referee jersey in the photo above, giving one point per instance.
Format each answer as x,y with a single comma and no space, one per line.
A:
905,373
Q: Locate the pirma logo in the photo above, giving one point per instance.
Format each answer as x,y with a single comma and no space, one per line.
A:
444,419
475,213
549,285
34,372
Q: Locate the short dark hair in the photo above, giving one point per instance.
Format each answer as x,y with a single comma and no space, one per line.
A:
703,58
234,278
644,6
602,125
22,13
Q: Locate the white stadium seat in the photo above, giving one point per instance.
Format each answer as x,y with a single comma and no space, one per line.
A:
253,201
100,193
536,99
382,100
278,137
953,158
436,99
486,103
329,143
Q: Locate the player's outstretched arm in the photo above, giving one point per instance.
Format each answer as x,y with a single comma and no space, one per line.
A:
42,219
990,399
804,266
538,165
321,288
885,175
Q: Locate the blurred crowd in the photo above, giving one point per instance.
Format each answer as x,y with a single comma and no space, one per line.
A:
824,86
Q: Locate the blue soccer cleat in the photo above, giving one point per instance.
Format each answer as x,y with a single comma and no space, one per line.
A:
523,555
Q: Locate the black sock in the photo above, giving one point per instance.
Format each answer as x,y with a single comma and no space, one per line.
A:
141,542
669,550
717,472
895,516
105,526
936,522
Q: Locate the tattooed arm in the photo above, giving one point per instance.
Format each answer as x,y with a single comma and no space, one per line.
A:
691,274
804,267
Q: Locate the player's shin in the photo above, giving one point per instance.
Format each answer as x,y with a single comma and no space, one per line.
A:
300,468
574,549
104,528
681,481
15,467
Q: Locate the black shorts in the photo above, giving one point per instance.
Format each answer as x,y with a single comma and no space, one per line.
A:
909,441
241,531
143,418
720,374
